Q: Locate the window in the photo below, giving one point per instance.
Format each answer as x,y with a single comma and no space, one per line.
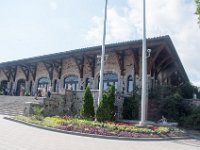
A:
130,84
71,82
108,80
43,83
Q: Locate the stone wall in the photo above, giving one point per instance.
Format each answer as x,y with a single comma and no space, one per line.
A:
70,103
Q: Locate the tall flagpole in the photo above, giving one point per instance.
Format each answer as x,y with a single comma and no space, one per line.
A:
103,54
144,70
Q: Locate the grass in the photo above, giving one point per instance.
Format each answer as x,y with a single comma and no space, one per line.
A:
107,128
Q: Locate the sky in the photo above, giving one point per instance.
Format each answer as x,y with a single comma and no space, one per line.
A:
31,28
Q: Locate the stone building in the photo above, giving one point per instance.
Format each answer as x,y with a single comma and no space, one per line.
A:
75,69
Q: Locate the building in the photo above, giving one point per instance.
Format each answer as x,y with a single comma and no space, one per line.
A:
75,69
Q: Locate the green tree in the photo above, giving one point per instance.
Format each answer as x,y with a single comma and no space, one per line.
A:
198,10
111,101
102,113
106,108
131,107
187,90
193,120
87,109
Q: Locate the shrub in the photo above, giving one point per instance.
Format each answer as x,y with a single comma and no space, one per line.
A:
102,113
37,110
131,107
193,120
111,101
169,107
87,109
106,109
27,93
187,90
1,92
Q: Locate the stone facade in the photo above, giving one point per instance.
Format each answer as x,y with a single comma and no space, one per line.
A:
78,68
70,68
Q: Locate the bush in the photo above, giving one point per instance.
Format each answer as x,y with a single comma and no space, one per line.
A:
111,102
106,109
87,109
131,107
38,110
1,92
187,90
27,93
173,108
193,120
102,113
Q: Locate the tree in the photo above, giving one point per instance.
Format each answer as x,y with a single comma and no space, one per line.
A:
187,90
131,107
103,111
111,101
198,10
87,109
106,108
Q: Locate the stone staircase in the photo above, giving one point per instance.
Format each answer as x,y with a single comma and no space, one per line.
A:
14,105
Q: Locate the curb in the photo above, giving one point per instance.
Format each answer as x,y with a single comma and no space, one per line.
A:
97,136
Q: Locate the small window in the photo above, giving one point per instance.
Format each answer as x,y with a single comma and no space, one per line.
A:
130,84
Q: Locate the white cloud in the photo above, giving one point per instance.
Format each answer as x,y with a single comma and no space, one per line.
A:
166,17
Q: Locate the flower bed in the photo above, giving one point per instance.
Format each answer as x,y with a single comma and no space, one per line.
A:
118,129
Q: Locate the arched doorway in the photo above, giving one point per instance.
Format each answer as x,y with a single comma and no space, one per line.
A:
20,87
43,84
4,84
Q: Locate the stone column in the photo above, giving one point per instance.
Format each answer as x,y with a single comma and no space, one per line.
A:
58,86
27,86
34,87
121,86
81,84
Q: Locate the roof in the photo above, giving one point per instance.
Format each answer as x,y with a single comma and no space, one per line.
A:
97,49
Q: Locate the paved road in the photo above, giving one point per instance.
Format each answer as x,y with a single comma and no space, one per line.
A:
15,136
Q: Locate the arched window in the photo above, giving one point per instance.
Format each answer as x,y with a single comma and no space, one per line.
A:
130,84
108,80
43,83
71,82
20,87
4,84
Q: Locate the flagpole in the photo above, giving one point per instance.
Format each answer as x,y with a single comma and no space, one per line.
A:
144,96
103,54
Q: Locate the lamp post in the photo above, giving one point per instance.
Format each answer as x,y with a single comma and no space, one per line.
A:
102,55
144,97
